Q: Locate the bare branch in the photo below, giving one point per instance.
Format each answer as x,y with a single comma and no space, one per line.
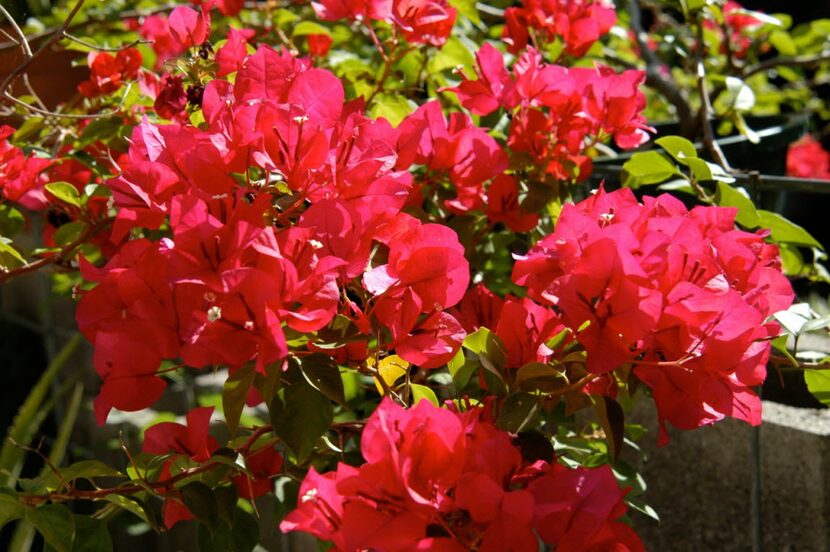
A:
655,76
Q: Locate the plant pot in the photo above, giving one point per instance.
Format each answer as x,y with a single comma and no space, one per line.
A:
768,156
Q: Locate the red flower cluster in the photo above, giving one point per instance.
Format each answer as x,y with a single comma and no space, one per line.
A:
807,158
235,270
193,441
455,147
557,111
739,22
577,23
681,294
20,179
523,325
420,21
435,479
107,73
174,34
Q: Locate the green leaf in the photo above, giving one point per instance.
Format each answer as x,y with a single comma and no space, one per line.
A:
138,508
304,28
727,196
612,419
467,8
518,412
639,504
783,42
678,147
242,536
539,376
421,392
31,414
785,231
462,367
9,256
453,54
69,232
488,346
56,523
391,106
300,417
11,220
91,535
780,345
65,192
323,374
648,167
234,393
99,130
201,502
30,126
818,382
226,499
85,469
10,509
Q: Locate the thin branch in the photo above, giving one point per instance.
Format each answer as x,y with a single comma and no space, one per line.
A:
706,105
655,77
11,77
83,42
61,256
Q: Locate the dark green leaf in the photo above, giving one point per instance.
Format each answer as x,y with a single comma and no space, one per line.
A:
55,523
322,372
539,376
234,393
462,367
300,417
612,419
91,535
243,536
518,412
226,498
201,502
84,469
10,509
534,446
99,129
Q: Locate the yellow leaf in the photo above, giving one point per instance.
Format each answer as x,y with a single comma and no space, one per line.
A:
391,369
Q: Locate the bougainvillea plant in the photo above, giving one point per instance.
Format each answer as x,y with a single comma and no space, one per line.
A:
374,223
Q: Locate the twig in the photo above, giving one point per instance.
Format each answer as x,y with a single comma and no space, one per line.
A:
654,73
20,69
706,105
61,256
83,42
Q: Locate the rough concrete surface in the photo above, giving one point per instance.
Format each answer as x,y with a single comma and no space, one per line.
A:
700,484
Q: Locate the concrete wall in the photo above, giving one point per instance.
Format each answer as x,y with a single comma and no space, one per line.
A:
700,484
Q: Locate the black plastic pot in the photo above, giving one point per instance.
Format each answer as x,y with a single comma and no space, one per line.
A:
768,156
